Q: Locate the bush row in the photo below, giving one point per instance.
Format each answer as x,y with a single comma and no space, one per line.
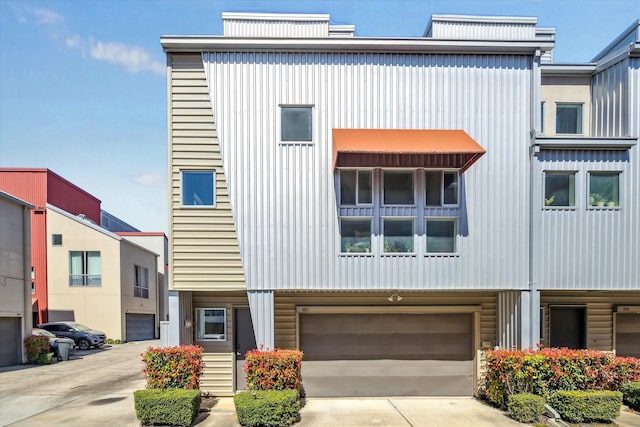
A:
176,407
587,406
631,395
525,407
271,408
37,348
173,367
273,370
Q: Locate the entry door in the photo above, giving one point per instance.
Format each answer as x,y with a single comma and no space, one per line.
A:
567,327
245,340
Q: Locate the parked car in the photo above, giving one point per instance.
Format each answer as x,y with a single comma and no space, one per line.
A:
53,340
82,335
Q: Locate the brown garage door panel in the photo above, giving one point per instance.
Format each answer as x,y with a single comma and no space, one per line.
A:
628,334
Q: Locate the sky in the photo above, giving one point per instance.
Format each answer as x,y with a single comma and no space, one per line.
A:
83,83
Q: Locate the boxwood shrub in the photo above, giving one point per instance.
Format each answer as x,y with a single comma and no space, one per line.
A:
176,407
525,407
631,395
268,408
587,406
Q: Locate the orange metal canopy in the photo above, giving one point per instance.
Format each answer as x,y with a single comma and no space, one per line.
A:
404,148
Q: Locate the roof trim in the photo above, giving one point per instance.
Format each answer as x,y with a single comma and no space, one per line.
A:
585,143
276,16
15,200
495,19
140,233
567,69
635,26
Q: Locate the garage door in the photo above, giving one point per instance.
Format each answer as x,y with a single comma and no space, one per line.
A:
140,327
387,354
9,341
628,334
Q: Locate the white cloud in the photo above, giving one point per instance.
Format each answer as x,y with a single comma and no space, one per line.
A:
148,179
45,16
23,14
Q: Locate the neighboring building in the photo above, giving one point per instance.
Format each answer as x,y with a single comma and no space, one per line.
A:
393,206
115,224
15,278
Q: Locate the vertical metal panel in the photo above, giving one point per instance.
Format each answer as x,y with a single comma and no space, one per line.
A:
483,30
509,319
275,28
71,198
610,98
283,196
262,315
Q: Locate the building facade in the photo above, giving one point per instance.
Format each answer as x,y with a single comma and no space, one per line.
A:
381,204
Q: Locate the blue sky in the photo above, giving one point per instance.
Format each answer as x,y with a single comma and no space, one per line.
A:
83,90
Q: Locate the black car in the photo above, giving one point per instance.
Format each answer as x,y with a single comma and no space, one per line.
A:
82,335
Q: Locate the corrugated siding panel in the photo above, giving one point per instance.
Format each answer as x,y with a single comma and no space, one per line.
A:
482,31
203,243
509,315
261,303
285,308
586,248
269,28
634,99
610,101
283,196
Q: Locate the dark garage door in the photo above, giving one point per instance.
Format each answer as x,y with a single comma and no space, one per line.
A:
387,354
140,327
9,341
628,334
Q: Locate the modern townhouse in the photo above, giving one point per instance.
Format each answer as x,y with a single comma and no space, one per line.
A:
391,206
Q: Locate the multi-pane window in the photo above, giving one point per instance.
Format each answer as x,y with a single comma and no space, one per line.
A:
568,118
560,189
604,189
398,235
198,188
441,188
85,268
398,188
141,282
56,240
356,187
441,235
296,124
356,235
211,324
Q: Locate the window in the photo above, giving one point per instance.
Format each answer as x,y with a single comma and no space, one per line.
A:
441,235
356,235
569,118
295,124
141,282
211,324
398,235
441,188
398,188
56,240
560,189
542,117
604,189
197,188
355,187
85,268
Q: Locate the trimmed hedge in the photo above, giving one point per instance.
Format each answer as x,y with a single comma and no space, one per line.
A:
587,406
631,395
525,407
267,408
176,407
35,345
273,370
173,367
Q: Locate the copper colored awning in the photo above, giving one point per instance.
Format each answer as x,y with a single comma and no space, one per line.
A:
410,148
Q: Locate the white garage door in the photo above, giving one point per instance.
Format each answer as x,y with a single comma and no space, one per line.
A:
387,354
9,341
140,327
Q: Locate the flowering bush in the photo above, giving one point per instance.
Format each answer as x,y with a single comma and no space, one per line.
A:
35,345
548,370
173,367
273,370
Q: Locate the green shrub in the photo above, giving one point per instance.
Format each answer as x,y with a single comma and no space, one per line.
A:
45,358
631,395
267,408
176,407
587,406
173,367
525,407
273,370
34,346
112,341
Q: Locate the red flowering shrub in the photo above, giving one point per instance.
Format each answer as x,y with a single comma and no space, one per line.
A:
173,367
548,370
273,370
35,345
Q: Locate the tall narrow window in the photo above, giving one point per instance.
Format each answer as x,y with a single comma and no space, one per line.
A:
85,268
604,189
198,188
398,188
355,187
569,118
211,324
398,235
560,189
141,282
296,124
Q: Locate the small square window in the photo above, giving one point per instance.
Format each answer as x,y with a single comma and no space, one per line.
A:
56,240
296,124
398,235
355,186
569,118
198,188
356,235
441,235
398,188
211,324
560,189
441,188
604,189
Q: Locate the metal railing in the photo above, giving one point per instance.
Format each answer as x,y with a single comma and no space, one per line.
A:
85,280
140,292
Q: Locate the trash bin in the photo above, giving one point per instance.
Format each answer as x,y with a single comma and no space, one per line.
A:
63,350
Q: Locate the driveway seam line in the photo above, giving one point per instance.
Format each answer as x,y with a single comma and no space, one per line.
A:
401,414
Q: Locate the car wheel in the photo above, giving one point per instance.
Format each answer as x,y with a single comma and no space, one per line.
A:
84,345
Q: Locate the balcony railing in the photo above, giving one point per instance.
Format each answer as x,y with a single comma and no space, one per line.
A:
140,292
85,280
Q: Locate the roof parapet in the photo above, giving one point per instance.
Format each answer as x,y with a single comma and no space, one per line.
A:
625,41
269,25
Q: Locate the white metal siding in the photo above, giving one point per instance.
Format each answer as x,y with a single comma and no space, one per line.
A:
610,101
239,27
483,30
283,196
